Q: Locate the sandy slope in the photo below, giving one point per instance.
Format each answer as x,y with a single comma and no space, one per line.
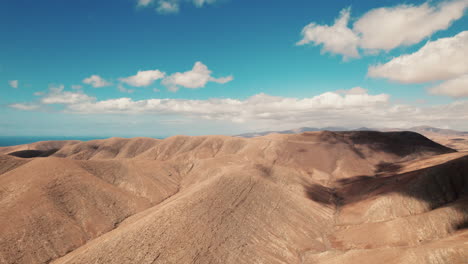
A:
315,197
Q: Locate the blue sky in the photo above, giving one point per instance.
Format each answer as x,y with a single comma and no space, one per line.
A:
252,74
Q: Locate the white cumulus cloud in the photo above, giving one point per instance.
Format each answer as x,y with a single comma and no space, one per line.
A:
336,39
200,3
13,83
349,108
143,78
257,107
457,87
144,2
172,6
123,89
402,25
168,7
25,107
443,59
198,77
96,81
57,95
383,28
354,90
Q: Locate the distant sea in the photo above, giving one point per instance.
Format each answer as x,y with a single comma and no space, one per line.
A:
19,140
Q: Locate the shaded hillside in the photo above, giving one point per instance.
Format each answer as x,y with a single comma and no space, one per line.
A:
450,138
38,146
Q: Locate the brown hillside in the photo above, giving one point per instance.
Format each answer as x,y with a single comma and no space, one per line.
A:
315,197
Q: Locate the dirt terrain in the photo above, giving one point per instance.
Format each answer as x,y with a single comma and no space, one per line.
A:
313,197
451,138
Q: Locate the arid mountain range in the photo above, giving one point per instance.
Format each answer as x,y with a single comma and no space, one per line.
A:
311,197
448,137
